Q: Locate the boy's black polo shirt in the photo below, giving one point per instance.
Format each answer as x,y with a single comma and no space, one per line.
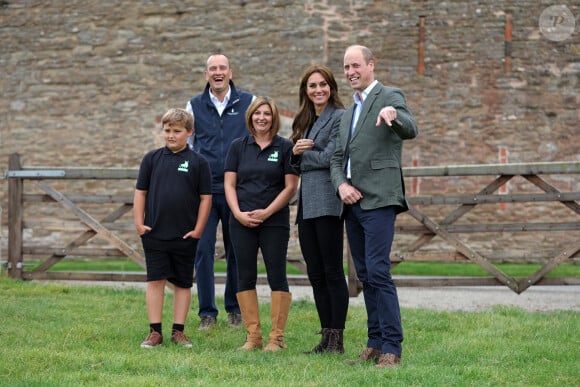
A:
174,183
261,174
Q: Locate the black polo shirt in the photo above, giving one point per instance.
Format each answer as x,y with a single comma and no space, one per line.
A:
261,174
174,183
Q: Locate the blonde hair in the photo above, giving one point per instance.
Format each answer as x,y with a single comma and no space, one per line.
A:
256,103
176,116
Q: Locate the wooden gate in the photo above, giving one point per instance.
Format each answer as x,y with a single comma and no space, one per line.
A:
429,231
446,229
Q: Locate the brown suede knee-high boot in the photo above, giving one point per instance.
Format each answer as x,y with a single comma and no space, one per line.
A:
248,301
280,308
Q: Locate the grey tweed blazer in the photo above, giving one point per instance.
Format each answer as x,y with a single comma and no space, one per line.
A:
317,193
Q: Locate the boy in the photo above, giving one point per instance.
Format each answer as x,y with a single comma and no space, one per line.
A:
170,209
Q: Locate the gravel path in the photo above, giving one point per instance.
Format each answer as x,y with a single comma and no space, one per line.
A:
464,298
478,298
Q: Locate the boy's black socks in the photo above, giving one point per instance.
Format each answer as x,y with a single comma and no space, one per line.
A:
155,327
178,327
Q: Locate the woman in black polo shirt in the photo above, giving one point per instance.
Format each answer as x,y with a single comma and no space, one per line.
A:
259,183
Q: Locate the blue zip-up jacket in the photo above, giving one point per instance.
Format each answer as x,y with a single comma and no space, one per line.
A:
213,133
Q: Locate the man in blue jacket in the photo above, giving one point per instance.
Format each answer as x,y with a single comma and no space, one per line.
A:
366,171
219,114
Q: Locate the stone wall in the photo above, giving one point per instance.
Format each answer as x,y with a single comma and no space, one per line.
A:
84,83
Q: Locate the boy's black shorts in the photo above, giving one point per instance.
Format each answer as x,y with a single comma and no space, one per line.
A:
171,260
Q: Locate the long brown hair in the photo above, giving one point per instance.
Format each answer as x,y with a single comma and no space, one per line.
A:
306,113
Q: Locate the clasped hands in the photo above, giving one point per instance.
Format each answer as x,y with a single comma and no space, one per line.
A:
253,218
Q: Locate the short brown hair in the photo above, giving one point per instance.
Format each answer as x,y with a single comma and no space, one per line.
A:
176,116
367,54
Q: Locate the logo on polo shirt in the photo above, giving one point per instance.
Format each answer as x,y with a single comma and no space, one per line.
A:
273,156
184,167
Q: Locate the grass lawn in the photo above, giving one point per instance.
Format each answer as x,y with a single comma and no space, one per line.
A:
60,335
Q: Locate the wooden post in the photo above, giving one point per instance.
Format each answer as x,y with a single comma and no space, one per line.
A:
354,285
504,189
15,219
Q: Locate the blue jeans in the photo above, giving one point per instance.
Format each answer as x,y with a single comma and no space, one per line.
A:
370,236
204,261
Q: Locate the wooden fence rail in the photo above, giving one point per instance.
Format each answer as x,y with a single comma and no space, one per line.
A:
429,231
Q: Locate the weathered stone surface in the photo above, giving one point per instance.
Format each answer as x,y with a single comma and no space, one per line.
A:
84,83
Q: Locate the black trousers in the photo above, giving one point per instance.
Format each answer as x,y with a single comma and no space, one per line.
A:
273,242
321,241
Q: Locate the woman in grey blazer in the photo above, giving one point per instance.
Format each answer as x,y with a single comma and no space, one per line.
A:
320,228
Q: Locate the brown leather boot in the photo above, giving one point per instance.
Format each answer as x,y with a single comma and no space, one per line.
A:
321,347
367,354
335,341
388,360
248,301
279,313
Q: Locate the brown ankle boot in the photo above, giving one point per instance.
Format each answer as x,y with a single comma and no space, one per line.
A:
321,347
248,301
335,341
367,354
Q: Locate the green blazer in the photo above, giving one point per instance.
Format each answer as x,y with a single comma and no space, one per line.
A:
375,151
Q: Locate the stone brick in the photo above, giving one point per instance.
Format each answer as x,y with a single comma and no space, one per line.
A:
84,83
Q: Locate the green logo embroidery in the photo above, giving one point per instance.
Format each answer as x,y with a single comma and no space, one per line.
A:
184,167
273,156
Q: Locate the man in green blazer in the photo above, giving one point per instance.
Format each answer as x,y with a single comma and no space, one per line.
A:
367,173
